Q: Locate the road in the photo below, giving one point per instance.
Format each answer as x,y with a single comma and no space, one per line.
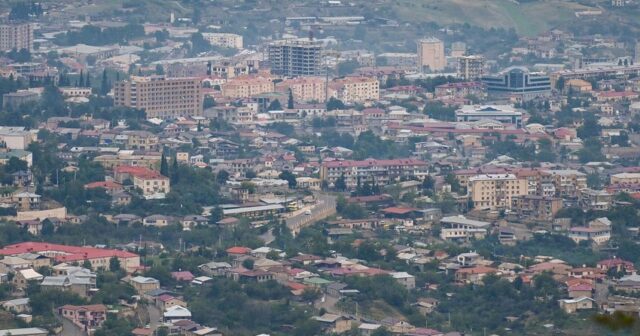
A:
324,207
70,329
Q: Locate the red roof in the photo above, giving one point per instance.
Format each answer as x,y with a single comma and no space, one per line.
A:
140,172
142,332
72,253
182,276
95,308
580,287
238,250
296,286
165,297
103,184
610,263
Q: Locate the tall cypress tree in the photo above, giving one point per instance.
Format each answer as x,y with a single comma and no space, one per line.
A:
174,171
104,85
81,79
290,101
164,166
87,83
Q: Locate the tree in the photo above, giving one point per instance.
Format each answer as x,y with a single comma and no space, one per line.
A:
222,177
248,263
341,183
290,100
47,228
105,86
159,70
289,177
164,165
175,174
216,215
335,104
274,106
594,181
162,331
114,264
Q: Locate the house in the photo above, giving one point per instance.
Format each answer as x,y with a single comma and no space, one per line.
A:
426,305
616,264
571,306
156,220
17,306
333,323
176,313
165,301
474,275
215,268
461,228
580,290
182,276
24,332
144,284
191,221
367,329
74,279
405,279
22,278
86,317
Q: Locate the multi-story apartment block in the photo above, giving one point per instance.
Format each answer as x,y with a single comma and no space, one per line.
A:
380,172
161,97
401,60
140,140
461,90
431,54
495,191
461,228
16,36
536,207
470,67
247,86
356,89
305,89
625,178
298,57
150,182
590,199
567,182
225,40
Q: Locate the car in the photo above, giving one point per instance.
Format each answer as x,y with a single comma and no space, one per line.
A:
308,212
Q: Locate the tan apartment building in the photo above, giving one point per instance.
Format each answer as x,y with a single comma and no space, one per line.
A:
149,181
225,40
16,36
247,86
356,89
470,67
305,89
431,54
625,178
495,191
536,207
161,97
380,172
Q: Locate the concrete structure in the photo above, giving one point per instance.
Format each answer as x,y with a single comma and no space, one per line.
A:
518,82
495,191
16,36
431,55
24,332
15,137
225,40
305,89
356,89
247,86
149,181
161,97
15,99
502,113
536,207
625,178
380,172
470,67
461,228
144,284
401,60
567,182
298,57
86,317
590,199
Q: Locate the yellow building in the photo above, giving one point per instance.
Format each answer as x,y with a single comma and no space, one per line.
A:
495,191
225,40
247,86
356,89
305,89
161,97
625,178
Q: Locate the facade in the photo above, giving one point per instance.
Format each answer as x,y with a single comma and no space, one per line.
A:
299,57
461,228
625,178
506,114
470,67
518,82
542,208
15,99
144,284
149,181
356,89
161,97
15,137
16,36
567,182
380,172
86,317
495,191
589,199
305,89
431,54
247,86
401,60
225,40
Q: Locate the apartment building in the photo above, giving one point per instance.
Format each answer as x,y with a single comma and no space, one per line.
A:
247,86
431,54
161,97
225,40
295,57
16,36
495,191
380,172
597,231
536,207
625,178
140,140
14,137
356,89
590,199
567,182
305,89
470,67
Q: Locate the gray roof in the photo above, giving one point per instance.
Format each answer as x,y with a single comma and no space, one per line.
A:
23,332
